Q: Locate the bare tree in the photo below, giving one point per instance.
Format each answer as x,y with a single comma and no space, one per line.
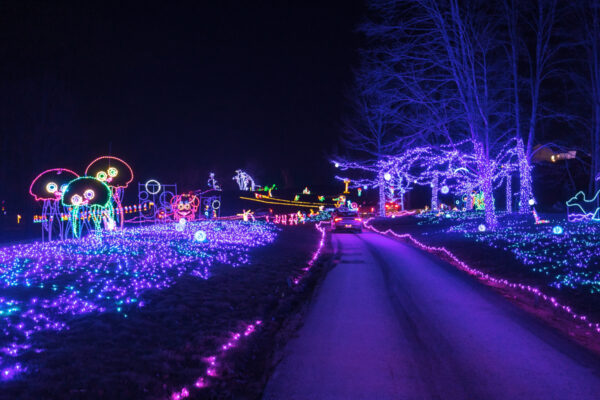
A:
369,132
529,20
588,83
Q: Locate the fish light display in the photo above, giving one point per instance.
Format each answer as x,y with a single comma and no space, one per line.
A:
110,272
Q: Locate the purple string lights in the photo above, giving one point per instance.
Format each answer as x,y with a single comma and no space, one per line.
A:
45,285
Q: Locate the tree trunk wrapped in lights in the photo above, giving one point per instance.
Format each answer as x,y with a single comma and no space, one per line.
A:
509,194
381,184
487,186
525,192
434,192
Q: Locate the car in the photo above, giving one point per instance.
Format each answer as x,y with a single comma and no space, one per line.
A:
346,220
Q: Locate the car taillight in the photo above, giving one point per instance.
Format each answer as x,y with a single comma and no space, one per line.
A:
358,219
337,219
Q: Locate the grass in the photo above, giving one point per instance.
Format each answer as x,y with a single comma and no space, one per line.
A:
162,346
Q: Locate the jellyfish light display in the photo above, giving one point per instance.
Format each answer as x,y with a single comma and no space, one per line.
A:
48,188
92,196
116,174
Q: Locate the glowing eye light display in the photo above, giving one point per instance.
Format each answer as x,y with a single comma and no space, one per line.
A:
112,172
101,176
51,187
76,200
89,194
109,273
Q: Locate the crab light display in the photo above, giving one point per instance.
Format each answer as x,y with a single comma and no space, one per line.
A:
48,187
116,174
92,196
185,206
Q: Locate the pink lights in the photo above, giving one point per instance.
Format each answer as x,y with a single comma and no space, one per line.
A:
235,338
213,361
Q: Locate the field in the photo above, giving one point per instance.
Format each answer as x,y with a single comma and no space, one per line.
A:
150,312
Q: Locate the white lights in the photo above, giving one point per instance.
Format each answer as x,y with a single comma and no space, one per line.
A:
154,184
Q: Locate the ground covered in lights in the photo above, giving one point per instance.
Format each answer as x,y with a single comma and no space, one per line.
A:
140,313
560,258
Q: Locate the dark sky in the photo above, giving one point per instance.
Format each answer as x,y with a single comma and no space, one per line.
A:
178,90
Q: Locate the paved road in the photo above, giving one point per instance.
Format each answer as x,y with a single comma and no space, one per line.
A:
391,322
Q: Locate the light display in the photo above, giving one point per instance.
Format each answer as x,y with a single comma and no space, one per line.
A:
93,197
346,183
459,168
155,200
259,198
244,181
477,201
212,182
47,187
117,175
579,208
537,219
200,236
509,193
185,206
152,186
45,286
525,193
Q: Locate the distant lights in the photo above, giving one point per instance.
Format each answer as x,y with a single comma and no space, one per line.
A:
532,202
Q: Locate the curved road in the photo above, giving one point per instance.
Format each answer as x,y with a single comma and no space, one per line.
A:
392,322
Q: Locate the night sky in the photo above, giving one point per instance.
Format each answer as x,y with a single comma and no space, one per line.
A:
177,91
